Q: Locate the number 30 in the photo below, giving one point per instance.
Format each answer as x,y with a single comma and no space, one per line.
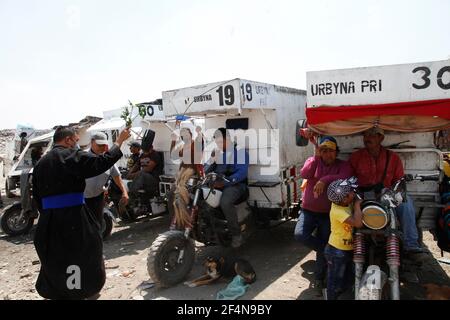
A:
427,81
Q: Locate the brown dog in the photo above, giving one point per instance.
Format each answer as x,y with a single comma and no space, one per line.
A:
222,267
437,292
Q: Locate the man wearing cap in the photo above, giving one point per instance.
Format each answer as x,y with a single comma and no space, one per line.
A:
145,173
94,192
377,168
320,170
135,149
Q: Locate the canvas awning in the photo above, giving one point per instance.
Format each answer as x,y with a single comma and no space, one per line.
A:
416,116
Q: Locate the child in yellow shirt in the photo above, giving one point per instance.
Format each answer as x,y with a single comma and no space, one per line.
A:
339,250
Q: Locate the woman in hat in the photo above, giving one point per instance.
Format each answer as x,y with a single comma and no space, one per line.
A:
320,170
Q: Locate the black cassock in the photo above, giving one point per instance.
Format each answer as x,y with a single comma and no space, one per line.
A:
67,239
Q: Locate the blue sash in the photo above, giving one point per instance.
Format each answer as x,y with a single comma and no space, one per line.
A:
63,201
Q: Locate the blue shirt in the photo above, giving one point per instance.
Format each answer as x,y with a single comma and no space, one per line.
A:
235,170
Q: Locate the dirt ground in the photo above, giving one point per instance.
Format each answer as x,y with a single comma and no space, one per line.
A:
284,268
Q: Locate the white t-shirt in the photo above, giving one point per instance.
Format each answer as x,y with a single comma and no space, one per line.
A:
94,185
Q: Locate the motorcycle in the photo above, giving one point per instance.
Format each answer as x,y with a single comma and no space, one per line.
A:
140,205
18,218
377,244
172,254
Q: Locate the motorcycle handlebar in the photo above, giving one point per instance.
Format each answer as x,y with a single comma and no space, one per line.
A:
214,176
422,177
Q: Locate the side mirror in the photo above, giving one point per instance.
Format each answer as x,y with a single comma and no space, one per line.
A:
300,141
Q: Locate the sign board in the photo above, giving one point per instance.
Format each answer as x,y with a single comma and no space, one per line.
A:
220,97
379,85
153,112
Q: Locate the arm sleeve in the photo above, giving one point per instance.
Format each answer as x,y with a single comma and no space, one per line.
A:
345,171
309,168
398,167
241,169
340,215
114,171
88,165
353,161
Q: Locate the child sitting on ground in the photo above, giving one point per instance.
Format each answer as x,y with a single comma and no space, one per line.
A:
339,250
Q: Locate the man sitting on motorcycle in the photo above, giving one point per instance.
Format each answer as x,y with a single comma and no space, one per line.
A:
135,149
233,164
377,168
145,173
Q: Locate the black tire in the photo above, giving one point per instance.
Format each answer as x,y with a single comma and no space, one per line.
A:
9,222
107,225
162,263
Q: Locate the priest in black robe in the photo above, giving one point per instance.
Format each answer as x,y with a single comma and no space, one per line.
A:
68,239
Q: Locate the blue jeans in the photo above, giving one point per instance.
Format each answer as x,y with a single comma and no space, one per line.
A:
407,216
307,222
229,197
339,270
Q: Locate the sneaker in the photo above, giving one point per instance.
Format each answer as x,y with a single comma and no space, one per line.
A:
318,285
236,241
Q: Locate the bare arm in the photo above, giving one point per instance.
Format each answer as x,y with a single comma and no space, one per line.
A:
119,183
134,171
356,219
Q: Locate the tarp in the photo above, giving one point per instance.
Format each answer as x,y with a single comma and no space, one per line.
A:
416,116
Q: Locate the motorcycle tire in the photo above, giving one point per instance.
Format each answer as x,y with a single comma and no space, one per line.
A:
162,262
11,227
107,226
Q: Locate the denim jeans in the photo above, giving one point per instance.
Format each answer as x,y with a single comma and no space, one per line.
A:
229,197
407,216
307,222
339,270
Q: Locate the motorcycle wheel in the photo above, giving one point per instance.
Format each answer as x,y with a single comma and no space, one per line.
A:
162,262
107,225
10,223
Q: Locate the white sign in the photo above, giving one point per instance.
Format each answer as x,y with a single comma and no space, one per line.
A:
154,112
379,85
234,94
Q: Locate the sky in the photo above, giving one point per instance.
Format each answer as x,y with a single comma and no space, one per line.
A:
61,60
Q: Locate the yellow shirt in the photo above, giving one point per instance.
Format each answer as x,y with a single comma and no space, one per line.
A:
341,233
447,168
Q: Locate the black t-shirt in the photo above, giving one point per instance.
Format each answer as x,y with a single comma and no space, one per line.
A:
134,158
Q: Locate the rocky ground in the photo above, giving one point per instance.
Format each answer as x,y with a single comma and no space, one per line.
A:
284,268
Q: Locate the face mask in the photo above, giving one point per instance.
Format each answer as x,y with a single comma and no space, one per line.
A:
77,146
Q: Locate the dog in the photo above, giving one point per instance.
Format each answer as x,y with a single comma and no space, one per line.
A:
224,267
437,292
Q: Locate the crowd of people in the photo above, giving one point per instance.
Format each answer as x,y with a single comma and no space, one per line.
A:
68,186
330,209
